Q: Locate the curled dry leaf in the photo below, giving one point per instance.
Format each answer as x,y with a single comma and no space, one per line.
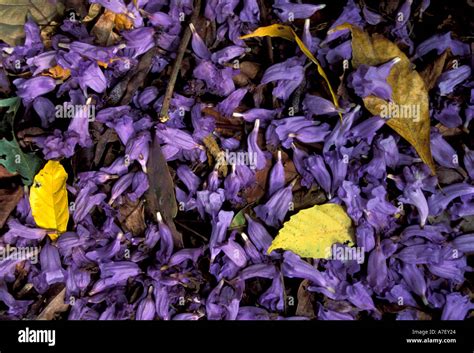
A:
103,30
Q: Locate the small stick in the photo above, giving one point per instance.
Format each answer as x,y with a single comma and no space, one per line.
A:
163,117
268,39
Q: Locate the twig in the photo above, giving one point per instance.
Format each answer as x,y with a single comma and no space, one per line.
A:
268,39
191,230
163,117
55,306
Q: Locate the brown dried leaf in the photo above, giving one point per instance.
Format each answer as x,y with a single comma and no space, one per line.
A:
55,306
408,89
4,173
138,76
160,196
305,305
132,216
13,15
431,73
94,11
103,30
9,198
215,153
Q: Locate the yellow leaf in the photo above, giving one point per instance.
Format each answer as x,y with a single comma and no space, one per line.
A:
312,232
408,90
287,33
48,199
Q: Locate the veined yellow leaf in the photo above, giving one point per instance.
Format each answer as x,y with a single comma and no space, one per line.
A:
287,33
48,199
408,90
312,232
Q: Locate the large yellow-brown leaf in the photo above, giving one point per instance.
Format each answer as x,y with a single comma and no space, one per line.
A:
312,232
48,199
408,89
13,15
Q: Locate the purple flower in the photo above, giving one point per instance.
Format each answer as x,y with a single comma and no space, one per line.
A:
464,243
287,11
51,264
360,296
120,186
440,200
29,89
415,197
421,254
371,80
377,270
276,179
232,187
456,307
273,299
218,81
219,231
17,230
371,17
258,234
254,150
441,42
449,116
114,274
228,53
294,267
139,40
275,209
350,14
191,180
228,105
16,308
116,6
235,252
166,241
316,166
316,105
451,78
223,301
146,307
139,186
250,12
415,280
198,45
289,75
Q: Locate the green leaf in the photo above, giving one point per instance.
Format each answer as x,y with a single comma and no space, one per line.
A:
239,220
16,161
13,15
6,122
